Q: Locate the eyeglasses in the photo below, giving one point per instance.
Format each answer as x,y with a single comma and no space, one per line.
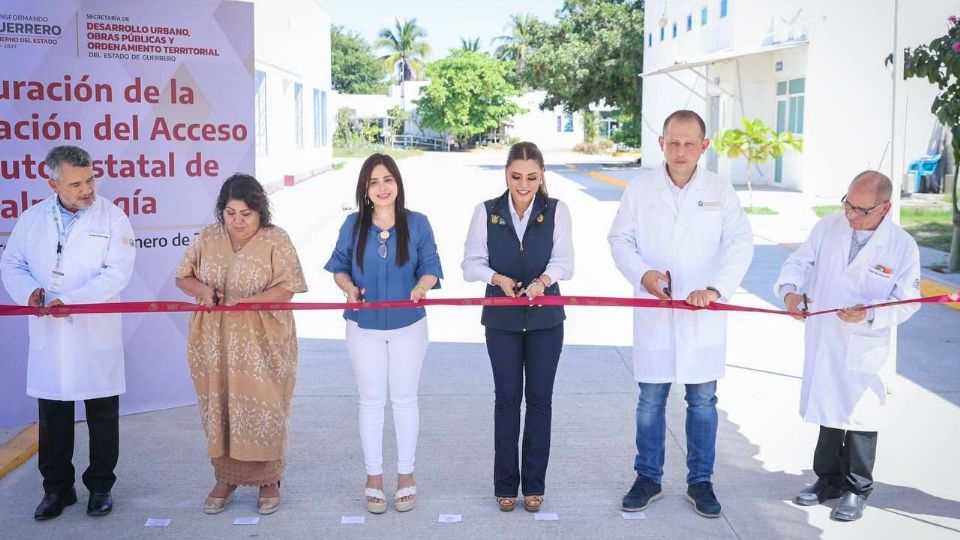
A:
862,212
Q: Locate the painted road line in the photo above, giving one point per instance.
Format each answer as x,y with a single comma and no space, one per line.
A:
19,449
608,179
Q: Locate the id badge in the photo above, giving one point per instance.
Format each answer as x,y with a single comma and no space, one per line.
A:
56,280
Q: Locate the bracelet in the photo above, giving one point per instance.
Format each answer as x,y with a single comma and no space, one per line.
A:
714,289
540,281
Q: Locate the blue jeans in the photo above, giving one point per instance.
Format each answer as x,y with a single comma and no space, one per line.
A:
701,430
524,366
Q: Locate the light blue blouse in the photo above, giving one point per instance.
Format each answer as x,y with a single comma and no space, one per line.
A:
382,279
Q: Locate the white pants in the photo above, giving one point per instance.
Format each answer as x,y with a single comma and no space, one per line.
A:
383,358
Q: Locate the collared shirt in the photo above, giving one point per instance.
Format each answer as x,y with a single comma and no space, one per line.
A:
381,278
475,263
678,193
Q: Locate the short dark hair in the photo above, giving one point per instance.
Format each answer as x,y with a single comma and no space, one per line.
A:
243,187
526,150
73,156
684,114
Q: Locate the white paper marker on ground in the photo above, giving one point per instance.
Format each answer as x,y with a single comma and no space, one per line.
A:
157,522
450,518
545,516
352,520
633,515
246,521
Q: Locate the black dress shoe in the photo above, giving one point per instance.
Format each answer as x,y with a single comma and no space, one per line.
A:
643,492
703,499
53,504
850,507
100,504
820,491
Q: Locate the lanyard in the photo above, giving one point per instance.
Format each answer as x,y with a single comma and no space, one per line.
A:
63,232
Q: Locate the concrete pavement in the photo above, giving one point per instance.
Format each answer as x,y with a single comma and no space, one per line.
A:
763,453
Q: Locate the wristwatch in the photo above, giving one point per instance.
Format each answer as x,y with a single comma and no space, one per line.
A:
714,289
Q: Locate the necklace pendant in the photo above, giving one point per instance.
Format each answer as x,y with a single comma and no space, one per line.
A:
384,235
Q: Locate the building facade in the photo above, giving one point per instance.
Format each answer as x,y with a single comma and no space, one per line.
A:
828,71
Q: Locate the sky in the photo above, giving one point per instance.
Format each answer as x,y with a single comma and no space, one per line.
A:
445,21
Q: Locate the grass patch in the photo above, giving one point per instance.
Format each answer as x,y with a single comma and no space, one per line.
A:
338,165
760,211
824,211
929,227
365,151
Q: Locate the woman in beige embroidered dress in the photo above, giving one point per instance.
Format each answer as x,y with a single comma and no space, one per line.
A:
244,363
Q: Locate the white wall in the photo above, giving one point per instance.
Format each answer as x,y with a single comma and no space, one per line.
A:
540,127
849,91
293,46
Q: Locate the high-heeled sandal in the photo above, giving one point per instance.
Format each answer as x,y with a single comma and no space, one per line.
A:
507,504
532,503
375,507
268,505
410,492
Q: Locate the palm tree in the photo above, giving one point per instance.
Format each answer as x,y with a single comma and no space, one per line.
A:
516,44
404,44
470,45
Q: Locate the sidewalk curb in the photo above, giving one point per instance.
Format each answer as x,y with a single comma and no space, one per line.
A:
19,449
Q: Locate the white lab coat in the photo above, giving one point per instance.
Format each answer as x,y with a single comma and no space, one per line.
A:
707,243
842,383
79,357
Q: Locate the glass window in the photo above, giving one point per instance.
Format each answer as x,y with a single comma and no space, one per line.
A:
703,16
723,8
650,40
674,29
797,86
689,23
661,34
782,88
316,118
568,123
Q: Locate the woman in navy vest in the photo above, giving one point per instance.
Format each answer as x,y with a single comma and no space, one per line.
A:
386,252
520,244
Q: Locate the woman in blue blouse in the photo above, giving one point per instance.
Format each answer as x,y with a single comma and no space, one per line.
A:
386,252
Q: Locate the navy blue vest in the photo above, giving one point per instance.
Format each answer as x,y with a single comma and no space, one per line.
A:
520,261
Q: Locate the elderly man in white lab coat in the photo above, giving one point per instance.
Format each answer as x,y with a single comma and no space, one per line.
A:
680,233
850,260
72,248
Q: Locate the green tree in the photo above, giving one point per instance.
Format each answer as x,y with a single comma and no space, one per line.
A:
467,95
594,53
939,63
471,45
355,69
405,43
516,45
756,142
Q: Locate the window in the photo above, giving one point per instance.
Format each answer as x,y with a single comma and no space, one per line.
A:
674,30
689,23
650,40
723,8
324,129
703,16
790,105
568,123
298,114
261,111
559,123
661,33
317,138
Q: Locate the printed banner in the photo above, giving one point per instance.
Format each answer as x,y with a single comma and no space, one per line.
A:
161,95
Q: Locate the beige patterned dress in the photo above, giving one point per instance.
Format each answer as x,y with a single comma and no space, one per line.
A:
244,364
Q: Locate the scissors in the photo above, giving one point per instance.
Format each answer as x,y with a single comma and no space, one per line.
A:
668,290
803,306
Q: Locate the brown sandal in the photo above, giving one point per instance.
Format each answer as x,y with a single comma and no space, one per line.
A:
531,503
507,504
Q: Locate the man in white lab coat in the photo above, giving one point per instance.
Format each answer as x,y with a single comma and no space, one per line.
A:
851,259
72,248
680,233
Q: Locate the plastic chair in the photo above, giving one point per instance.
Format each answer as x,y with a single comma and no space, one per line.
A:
925,166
